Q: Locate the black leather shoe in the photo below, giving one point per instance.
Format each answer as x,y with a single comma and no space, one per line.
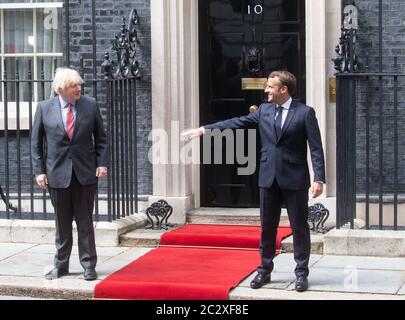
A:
301,284
260,280
90,274
56,273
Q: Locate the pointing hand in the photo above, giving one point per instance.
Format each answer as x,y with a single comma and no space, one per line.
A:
192,133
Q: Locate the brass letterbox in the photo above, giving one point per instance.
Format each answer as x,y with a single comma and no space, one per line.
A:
254,83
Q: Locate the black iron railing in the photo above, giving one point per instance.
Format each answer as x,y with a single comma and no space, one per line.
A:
370,178
117,196
115,93
370,150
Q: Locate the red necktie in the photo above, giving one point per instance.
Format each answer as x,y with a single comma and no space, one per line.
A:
70,121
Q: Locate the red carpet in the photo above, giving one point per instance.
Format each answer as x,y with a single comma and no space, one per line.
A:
188,273
223,236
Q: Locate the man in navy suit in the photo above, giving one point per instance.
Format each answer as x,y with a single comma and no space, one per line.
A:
69,154
286,128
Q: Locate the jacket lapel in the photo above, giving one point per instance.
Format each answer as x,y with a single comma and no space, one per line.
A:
57,113
272,115
288,119
79,113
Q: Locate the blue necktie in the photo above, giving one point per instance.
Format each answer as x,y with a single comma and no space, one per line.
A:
278,122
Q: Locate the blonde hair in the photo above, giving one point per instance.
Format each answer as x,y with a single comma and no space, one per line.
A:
66,77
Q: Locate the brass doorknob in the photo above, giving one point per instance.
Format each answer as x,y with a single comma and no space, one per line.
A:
253,109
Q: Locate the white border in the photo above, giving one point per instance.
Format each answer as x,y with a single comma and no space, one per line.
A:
43,54
31,5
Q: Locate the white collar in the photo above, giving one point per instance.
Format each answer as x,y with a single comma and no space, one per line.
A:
286,105
63,103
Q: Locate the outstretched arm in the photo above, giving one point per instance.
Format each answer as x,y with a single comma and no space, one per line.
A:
193,133
234,123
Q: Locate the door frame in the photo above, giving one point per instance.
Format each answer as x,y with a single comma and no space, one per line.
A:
175,48
232,190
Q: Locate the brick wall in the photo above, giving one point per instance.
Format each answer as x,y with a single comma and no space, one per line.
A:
108,23
109,16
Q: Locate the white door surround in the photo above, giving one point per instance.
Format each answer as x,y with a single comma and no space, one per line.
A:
175,92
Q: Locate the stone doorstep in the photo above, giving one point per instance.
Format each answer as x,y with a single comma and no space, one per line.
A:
231,220
150,238
46,293
232,216
43,232
316,244
141,238
238,293
66,289
375,243
241,293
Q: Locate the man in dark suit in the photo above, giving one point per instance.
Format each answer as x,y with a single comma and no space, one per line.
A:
286,127
69,152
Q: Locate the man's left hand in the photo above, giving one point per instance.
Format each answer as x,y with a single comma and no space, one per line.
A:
101,172
316,190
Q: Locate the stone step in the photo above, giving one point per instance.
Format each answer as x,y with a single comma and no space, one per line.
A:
242,293
43,232
141,238
231,216
316,244
377,243
150,239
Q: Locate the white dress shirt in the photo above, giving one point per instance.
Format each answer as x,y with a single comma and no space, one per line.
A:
286,108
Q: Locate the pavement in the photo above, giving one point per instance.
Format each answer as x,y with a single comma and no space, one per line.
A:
23,266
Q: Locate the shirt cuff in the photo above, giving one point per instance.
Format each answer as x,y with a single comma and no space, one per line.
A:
202,129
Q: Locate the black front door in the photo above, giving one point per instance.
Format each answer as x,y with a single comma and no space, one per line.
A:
242,41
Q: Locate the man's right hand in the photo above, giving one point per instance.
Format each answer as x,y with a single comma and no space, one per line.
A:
193,133
42,181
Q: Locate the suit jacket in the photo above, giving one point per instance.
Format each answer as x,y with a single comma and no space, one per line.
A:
55,155
285,158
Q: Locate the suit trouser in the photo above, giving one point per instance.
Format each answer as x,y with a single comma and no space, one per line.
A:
271,200
76,201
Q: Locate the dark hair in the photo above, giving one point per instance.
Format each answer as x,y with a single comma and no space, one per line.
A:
287,79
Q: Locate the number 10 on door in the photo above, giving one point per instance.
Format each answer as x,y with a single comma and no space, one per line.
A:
257,9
